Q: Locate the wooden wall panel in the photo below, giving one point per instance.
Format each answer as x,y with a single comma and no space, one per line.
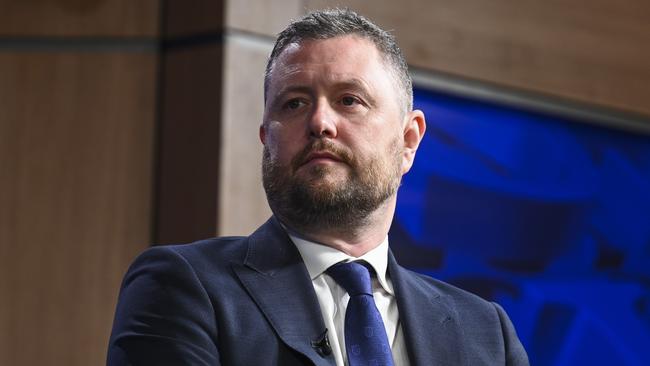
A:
593,51
198,17
189,151
59,18
76,133
189,147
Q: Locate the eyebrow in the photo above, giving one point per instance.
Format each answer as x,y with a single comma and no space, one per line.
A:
294,89
359,86
354,83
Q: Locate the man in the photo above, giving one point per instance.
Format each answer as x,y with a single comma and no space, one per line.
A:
317,283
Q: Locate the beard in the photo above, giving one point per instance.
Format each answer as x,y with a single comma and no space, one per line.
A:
315,201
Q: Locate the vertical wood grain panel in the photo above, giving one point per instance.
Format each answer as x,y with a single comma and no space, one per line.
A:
189,152
189,149
60,18
593,51
76,132
198,17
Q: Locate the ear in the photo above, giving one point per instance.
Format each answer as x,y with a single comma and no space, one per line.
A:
262,134
414,129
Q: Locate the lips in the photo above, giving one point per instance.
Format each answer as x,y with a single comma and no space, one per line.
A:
321,152
321,155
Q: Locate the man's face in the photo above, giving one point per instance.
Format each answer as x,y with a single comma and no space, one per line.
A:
332,133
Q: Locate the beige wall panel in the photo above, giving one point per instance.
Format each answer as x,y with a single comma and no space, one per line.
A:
76,136
242,202
595,51
262,16
242,205
79,18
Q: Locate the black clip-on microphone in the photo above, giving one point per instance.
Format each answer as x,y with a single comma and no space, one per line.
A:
322,344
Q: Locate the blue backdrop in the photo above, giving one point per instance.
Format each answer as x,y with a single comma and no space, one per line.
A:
549,217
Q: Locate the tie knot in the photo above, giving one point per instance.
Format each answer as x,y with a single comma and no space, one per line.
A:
354,277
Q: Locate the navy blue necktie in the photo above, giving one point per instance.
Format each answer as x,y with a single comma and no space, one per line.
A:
365,336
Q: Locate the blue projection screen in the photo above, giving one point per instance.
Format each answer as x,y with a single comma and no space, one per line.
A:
548,217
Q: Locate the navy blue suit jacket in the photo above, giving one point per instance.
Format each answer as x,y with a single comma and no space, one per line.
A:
250,301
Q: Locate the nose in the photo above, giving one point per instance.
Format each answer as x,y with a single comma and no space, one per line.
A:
323,121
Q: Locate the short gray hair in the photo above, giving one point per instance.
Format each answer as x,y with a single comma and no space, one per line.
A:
326,24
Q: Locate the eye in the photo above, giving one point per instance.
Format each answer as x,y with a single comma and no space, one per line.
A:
293,104
349,101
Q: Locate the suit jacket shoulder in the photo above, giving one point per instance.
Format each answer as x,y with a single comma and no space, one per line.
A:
234,301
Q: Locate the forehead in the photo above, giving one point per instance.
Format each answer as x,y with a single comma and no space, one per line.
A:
334,58
349,48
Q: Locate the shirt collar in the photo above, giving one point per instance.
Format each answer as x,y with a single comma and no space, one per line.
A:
319,257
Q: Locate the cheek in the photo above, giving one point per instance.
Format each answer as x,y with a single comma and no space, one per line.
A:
389,151
282,143
377,145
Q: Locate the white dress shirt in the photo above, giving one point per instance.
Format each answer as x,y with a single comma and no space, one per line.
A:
333,299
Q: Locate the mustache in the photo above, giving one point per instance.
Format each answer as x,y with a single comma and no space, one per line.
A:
321,146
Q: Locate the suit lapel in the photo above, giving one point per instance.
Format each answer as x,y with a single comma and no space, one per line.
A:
428,320
276,278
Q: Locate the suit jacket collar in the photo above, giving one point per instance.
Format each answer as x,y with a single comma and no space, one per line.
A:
276,278
428,320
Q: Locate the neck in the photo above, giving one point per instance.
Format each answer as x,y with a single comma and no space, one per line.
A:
358,240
